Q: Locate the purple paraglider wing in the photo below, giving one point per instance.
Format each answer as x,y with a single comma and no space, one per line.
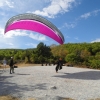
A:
34,23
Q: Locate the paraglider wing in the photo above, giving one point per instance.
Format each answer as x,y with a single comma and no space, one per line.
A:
34,23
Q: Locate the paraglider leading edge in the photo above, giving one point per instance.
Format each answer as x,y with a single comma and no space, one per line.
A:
19,22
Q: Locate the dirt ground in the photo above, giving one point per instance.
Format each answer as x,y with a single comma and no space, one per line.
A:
20,65
7,98
13,98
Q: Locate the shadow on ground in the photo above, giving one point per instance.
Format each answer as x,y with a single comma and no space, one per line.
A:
54,98
13,89
22,74
87,75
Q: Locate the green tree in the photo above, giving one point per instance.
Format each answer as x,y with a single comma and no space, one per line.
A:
43,52
71,58
26,60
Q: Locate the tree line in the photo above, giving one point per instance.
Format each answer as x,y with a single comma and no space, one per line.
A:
79,54
33,55
76,54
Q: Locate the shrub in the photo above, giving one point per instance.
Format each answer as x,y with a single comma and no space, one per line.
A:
95,64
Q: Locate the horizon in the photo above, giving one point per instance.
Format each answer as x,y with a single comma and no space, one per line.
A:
54,45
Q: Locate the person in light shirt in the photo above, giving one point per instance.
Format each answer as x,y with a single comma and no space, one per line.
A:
4,64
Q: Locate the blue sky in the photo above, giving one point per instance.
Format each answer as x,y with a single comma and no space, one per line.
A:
78,20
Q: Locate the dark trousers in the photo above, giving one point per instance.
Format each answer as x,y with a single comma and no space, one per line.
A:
11,69
58,67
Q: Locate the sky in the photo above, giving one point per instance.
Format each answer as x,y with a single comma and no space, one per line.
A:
78,21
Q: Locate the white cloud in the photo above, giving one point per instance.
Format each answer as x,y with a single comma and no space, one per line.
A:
48,8
9,39
97,40
21,6
9,4
6,3
2,3
55,8
1,31
84,16
37,37
6,42
10,44
87,15
70,25
95,12
31,44
11,34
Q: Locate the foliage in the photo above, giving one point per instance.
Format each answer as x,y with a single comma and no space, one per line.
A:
95,64
87,54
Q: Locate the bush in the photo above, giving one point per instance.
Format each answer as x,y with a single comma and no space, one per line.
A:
95,64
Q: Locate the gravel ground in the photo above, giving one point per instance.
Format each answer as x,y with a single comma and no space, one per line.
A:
43,83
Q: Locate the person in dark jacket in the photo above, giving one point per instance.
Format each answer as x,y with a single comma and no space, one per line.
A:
59,65
11,65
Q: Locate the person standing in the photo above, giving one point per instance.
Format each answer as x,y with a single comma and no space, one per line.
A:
11,65
59,65
4,64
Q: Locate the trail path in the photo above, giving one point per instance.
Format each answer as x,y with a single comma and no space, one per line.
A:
43,83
